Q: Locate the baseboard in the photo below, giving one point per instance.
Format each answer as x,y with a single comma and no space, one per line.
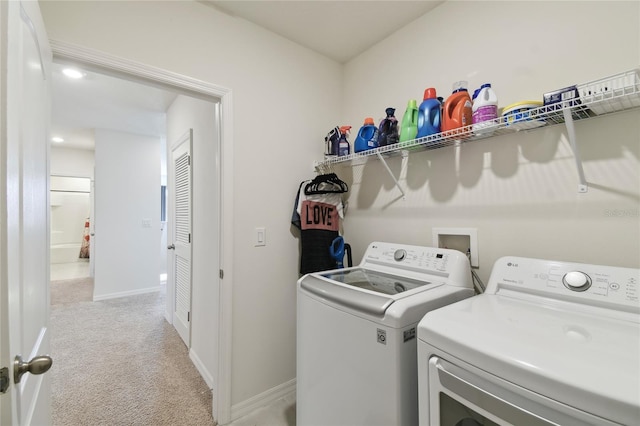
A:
263,399
126,293
204,372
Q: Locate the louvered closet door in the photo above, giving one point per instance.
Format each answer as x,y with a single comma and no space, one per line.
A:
181,233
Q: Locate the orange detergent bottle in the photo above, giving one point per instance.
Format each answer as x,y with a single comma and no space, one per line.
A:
457,109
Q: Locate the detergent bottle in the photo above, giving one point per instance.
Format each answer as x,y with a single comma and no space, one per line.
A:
388,129
429,114
409,127
485,109
457,108
343,144
367,136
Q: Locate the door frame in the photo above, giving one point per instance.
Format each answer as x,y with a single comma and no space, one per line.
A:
107,63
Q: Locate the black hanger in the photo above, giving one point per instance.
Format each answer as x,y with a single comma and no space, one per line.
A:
326,184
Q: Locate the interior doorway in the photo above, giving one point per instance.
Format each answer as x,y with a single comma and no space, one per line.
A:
70,218
219,366
85,105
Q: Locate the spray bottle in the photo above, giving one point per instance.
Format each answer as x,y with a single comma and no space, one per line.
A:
343,144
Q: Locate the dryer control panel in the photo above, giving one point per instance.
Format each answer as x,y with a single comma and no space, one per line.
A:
606,286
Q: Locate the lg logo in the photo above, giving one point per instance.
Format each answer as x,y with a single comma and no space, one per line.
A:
515,265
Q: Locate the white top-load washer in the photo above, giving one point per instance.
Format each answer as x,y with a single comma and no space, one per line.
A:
356,333
548,343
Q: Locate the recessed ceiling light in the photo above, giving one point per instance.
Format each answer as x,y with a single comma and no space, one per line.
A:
73,73
57,139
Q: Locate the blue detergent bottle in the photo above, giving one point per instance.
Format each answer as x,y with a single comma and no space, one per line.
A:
367,136
429,114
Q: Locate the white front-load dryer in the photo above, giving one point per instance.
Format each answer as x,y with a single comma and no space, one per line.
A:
356,333
548,343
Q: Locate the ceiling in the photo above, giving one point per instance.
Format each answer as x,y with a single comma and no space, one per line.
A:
339,30
98,101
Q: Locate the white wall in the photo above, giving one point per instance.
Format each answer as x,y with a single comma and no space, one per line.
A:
72,162
520,190
285,99
127,192
189,113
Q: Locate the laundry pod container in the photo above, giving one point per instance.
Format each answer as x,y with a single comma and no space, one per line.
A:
522,115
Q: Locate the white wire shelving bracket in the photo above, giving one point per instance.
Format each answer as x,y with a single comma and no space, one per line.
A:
619,92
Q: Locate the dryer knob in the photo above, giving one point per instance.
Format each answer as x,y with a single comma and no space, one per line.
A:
399,255
576,281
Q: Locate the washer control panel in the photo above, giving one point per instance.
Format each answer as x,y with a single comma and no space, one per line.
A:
406,256
565,280
451,266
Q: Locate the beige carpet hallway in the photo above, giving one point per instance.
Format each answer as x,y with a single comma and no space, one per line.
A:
118,362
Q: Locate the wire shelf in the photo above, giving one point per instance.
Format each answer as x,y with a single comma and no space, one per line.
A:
616,93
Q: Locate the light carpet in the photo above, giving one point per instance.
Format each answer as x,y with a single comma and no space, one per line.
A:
118,362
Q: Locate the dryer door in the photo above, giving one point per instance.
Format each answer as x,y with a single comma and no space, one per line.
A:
461,397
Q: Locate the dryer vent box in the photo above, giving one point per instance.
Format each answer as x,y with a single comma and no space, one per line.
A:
461,239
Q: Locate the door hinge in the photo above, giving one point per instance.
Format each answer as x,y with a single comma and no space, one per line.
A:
188,316
221,274
5,381
189,238
188,160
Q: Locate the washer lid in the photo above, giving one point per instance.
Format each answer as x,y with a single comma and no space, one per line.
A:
585,360
375,281
364,290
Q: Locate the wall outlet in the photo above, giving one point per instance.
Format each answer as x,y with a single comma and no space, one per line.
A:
146,223
461,239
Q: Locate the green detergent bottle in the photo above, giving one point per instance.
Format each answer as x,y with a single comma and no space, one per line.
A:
409,128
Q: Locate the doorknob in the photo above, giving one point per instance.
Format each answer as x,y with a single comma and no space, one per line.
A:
38,365
171,247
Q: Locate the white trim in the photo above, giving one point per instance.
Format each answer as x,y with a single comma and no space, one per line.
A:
126,293
263,399
204,372
222,401
106,62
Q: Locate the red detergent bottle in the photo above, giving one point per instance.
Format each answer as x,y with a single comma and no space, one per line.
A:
457,110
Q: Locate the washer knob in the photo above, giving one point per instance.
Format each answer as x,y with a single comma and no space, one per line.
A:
399,255
576,281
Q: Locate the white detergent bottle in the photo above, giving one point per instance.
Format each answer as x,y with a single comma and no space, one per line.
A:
484,111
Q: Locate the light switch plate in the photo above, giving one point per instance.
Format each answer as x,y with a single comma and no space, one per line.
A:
260,237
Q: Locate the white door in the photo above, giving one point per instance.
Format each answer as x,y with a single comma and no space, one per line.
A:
92,230
179,219
24,196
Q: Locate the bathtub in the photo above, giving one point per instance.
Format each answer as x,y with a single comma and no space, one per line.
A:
65,253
